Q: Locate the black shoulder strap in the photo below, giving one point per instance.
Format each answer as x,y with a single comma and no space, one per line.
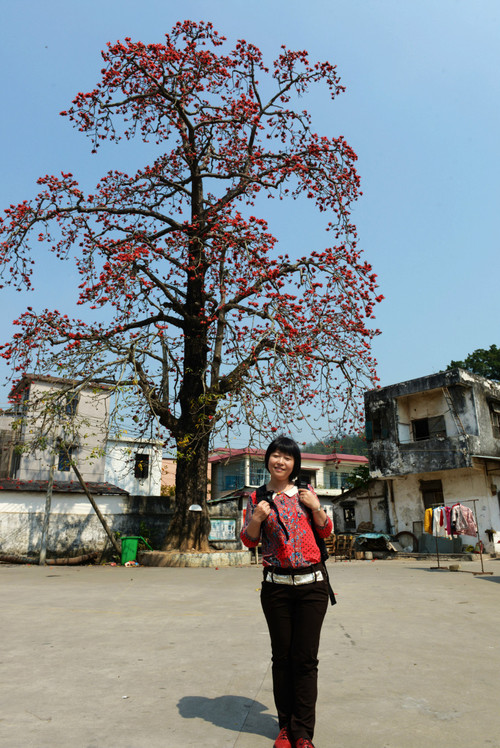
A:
263,494
324,555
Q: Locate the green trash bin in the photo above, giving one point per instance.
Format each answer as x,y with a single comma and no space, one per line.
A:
130,544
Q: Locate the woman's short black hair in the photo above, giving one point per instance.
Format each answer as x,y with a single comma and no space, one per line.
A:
289,447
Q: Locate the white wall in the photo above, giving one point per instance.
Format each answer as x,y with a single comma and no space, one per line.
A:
120,466
73,522
323,468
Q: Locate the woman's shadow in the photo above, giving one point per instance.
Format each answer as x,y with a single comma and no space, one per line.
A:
230,712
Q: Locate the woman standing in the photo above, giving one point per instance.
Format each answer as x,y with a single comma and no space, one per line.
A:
294,593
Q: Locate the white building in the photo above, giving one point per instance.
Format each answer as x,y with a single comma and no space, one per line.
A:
134,465
244,469
52,417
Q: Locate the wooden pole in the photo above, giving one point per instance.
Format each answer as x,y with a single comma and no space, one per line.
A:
48,504
101,517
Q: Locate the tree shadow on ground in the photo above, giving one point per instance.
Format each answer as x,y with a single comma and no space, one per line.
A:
236,713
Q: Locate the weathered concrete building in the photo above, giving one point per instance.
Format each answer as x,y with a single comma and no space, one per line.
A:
436,440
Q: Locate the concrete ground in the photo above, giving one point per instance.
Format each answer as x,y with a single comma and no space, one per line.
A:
112,657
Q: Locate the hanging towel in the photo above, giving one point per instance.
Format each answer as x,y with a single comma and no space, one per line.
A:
428,521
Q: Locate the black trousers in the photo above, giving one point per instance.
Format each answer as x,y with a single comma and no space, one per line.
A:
294,615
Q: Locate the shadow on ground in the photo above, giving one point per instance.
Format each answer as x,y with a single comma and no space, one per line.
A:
230,712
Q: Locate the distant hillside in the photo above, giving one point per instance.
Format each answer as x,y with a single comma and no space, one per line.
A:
348,444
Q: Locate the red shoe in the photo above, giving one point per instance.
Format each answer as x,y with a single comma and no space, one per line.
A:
283,739
304,743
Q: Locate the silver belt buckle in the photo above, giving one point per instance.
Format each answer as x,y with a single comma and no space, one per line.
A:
282,578
312,576
305,578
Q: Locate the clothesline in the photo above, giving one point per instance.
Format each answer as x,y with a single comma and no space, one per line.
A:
462,501
467,523
446,520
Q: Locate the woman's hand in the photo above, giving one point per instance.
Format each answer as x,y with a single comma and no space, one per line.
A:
309,499
259,514
261,511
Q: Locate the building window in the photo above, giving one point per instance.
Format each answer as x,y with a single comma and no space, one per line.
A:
432,493
378,427
338,479
258,473
231,482
65,457
16,463
230,476
344,477
20,407
141,468
71,404
495,419
428,428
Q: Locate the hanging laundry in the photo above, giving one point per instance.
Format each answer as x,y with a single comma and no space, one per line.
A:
447,510
428,521
438,523
463,520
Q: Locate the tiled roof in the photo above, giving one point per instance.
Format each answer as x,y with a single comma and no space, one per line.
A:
26,380
11,484
226,453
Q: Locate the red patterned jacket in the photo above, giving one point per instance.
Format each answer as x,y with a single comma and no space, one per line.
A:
301,549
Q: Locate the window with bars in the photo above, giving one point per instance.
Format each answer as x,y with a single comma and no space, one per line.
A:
338,479
377,427
258,473
432,492
71,404
141,467
65,455
230,476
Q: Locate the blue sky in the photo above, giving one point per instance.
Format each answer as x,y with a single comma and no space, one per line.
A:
421,110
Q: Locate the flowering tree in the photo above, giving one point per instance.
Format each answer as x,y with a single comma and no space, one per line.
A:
189,304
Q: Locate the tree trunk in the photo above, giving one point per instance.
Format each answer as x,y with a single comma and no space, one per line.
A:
189,530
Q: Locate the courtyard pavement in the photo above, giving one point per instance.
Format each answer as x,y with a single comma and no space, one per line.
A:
115,657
